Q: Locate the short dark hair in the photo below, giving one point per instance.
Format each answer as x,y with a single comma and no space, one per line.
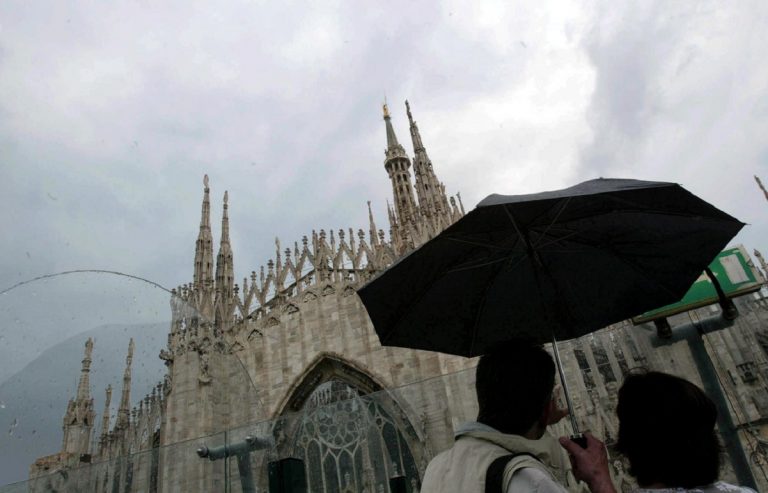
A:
514,384
667,431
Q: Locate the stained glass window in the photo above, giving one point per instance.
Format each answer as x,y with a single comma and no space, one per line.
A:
350,442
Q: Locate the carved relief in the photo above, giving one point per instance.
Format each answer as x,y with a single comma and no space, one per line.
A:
328,290
204,376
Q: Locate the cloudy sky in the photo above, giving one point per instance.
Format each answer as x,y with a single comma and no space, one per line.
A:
111,112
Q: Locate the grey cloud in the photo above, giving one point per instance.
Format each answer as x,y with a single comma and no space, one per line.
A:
112,113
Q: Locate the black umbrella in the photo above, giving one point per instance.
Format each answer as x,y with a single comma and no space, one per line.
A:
557,264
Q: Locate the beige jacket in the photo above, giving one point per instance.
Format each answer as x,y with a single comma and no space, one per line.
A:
462,468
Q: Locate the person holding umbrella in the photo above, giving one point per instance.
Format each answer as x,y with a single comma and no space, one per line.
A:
545,267
508,448
666,432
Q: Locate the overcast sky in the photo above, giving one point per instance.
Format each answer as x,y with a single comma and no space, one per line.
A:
111,112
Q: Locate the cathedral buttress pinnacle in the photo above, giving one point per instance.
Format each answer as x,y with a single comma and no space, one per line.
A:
431,195
105,417
204,248
123,412
225,275
83,387
78,420
397,165
374,239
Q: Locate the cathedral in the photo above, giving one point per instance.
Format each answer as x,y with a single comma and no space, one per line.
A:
286,365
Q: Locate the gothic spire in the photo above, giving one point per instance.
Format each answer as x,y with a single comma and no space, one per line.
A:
372,227
78,419
415,135
225,275
433,203
392,143
224,265
397,164
204,246
105,416
83,387
123,412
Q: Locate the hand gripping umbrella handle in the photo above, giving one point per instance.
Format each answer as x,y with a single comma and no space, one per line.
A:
576,437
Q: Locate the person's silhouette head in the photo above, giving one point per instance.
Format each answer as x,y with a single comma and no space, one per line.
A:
667,431
514,388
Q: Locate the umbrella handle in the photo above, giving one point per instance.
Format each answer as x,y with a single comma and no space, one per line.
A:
568,402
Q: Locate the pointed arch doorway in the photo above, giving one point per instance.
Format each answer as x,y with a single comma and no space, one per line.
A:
351,433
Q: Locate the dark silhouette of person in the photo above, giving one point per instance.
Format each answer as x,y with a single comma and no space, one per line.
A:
508,445
666,432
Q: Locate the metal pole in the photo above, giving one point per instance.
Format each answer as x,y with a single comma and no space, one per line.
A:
692,333
568,402
728,430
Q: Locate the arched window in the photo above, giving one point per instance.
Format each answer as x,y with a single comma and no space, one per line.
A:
351,441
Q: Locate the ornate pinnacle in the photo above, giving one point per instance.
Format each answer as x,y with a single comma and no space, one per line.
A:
83,390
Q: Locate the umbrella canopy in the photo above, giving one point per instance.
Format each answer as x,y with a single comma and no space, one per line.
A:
561,263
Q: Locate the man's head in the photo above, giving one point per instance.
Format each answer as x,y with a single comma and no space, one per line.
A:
514,388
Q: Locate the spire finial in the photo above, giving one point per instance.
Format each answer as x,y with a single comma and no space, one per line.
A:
408,110
385,108
105,416
225,276
83,387
88,348
129,357
204,245
123,411
372,226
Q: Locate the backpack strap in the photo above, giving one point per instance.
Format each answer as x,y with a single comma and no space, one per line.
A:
494,476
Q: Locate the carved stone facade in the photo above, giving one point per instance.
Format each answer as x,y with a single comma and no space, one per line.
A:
291,354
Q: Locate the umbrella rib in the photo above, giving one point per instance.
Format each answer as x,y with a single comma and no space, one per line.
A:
482,307
554,220
405,310
475,266
639,271
512,220
474,243
555,239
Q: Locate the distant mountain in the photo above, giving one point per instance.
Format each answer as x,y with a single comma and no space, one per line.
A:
33,401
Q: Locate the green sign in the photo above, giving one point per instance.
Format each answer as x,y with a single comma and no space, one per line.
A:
736,273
